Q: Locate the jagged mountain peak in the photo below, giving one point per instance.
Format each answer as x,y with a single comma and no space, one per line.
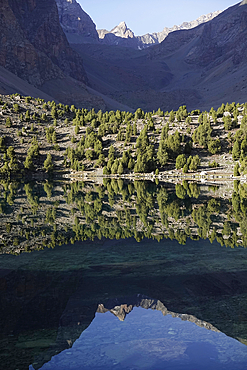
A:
122,31
119,34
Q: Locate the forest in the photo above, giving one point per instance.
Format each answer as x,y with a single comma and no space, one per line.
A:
47,138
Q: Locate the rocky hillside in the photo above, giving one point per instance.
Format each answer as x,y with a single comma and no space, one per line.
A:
121,35
77,24
201,67
33,44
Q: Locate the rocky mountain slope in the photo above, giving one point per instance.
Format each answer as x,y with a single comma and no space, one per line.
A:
200,67
77,24
121,35
210,57
33,45
34,52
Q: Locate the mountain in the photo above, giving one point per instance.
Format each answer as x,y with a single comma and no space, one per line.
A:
156,38
199,67
210,57
53,45
77,24
33,44
119,34
34,52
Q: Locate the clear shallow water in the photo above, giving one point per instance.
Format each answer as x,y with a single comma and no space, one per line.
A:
148,340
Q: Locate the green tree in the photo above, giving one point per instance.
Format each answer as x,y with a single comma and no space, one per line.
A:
8,122
195,161
236,151
48,165
120,170
214,146
162,154
180,161
236,170
28,164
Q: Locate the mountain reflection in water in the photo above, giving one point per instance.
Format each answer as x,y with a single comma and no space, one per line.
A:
112,240
148,340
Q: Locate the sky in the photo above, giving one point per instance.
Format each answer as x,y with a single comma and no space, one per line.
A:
148,16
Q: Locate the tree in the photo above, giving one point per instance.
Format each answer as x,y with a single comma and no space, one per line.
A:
236,170
162,154
236,151
180,191
195,161
8,122
114,168
227,123
54,137
120,170
214,146
180,161
101,161
16,108
27,116
172,116
131,163
185,168
28,164
48,165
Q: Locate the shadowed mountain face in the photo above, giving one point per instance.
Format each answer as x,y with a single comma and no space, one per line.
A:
199,67
33,45
77,25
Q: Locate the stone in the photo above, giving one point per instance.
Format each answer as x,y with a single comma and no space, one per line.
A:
76,22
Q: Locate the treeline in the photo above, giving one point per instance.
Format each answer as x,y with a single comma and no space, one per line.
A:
118,142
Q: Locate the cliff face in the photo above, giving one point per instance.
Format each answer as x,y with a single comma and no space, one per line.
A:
76,22
33,45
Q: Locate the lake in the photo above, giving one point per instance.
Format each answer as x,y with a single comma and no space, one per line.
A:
123,276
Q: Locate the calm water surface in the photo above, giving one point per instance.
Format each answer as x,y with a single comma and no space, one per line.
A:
106,294
125,305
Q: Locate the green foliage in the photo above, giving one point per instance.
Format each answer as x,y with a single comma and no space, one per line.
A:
213,164
194,163
16,108
236,170
162,154
236,151
8,122
180,161
214,146
228,124
48,165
